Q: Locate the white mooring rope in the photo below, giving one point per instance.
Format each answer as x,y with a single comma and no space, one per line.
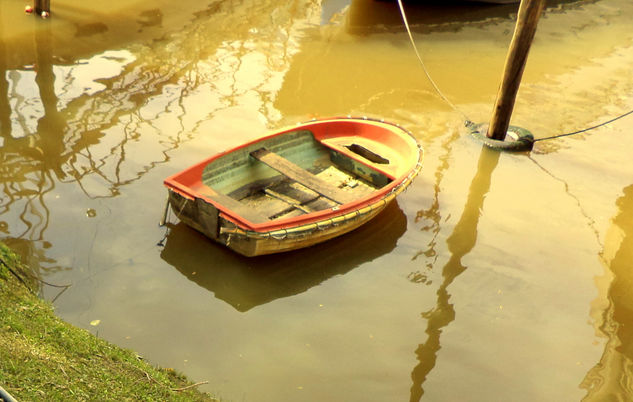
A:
417,53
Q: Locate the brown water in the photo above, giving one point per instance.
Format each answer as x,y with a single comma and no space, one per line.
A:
495,277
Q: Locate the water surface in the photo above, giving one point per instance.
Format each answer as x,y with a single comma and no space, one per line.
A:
494,277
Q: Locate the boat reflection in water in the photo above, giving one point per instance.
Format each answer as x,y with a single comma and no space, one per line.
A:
371,16
245,283
424,16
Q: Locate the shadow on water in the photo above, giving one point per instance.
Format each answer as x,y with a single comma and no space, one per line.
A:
460,242
245,283
611,379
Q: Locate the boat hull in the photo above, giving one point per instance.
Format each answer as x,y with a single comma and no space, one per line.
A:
331,179
205,218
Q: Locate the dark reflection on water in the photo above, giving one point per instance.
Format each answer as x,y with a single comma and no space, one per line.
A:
460,242
150,18
432,215
370,16
32,254
5,107
90,29
27,162
245,283
611,379
57,149
51,127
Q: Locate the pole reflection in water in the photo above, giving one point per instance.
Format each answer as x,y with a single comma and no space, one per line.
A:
245,283
54,150
27,162
5,107
433,215
460,242
611,379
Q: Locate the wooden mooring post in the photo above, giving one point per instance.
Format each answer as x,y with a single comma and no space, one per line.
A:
43,8
529,14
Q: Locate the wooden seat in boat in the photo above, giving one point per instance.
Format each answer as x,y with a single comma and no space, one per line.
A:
302,176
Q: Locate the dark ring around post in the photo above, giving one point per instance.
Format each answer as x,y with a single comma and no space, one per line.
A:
517,139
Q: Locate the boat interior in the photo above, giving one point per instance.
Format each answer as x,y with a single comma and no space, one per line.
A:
290,175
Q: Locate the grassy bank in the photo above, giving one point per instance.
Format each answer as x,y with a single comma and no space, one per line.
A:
45,358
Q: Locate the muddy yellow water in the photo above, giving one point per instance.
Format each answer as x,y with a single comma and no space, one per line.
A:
494,277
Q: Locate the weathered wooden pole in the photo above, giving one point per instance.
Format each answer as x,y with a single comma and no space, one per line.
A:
529,13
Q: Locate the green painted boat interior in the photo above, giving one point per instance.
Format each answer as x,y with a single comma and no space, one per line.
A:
237,170
270,192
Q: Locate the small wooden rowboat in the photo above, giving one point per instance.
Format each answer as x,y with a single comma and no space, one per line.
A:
296,187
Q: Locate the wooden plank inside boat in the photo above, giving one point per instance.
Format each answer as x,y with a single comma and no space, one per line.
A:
243,210
289,200
267,205
301,176
281,199
298,193
286,198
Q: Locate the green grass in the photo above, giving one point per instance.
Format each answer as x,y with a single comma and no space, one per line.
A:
45,358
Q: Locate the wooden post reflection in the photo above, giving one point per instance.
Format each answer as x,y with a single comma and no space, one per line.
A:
5,107
460,242
611,378
42,6
51,127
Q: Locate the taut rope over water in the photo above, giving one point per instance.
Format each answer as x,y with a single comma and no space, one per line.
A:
468,122
586,129
417,53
